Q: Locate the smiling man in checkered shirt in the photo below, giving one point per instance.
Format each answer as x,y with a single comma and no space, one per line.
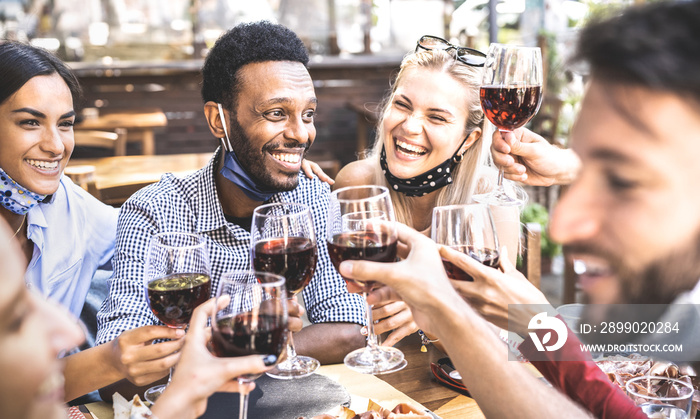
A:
260,100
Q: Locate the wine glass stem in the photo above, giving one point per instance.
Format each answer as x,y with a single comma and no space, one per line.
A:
243,408
371,337
291,352
501,171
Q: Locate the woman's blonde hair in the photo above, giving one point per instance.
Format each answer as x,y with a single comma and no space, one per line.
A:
465,173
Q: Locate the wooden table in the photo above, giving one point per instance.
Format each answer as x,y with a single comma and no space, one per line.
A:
113,180
132,170
139,124
417,382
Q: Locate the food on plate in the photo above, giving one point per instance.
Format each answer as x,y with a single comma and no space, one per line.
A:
124,409
376,411
621,369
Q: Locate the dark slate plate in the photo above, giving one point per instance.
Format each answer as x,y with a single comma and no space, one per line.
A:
282,399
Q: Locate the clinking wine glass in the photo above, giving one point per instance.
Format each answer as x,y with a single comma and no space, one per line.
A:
468,229
252,319
176,280
511,94
361,226
284,243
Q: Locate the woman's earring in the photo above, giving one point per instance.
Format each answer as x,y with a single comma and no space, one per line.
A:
458,158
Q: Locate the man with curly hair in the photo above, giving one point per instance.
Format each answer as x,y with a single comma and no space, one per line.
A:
259,100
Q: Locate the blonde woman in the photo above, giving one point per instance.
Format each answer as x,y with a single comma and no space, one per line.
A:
428,150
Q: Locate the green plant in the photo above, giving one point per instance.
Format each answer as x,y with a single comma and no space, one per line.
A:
537,213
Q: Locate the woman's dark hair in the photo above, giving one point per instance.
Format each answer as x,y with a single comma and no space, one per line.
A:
654,46
20,62
244,44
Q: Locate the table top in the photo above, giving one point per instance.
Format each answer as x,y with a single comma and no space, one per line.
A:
417,382
146,118
414,383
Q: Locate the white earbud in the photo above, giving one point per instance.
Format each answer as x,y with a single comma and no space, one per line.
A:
223,124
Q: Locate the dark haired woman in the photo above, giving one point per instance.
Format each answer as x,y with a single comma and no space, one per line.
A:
65,234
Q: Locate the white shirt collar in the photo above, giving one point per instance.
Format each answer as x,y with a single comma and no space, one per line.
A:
689,297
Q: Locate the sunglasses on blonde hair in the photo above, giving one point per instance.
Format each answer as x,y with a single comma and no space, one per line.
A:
468,56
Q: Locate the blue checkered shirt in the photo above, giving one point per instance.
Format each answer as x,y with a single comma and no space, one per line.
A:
191,204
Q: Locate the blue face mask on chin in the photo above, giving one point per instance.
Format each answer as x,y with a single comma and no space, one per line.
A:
234,172
15,197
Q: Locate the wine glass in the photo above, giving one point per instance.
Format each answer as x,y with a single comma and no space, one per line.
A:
284,243
468,229
511,94
361,226
251,320
176,280
662,397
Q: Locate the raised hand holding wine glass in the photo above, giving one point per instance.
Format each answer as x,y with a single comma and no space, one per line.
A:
468,229
511,94
176,280
361,226
251,319
283,242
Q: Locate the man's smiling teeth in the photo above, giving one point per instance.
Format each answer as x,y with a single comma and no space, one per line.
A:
45,165
410,148
286,157
582,267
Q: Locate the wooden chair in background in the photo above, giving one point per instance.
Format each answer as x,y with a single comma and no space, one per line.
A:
111,140
532,253
367,117
139,122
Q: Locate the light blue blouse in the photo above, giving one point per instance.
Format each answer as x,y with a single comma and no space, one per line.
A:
73,236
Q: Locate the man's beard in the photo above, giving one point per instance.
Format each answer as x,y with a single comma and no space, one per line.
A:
655,285
658,282
665,279
253,161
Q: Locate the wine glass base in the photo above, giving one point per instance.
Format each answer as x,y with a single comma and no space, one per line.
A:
298,367
499,198
378,360
401,365
152,394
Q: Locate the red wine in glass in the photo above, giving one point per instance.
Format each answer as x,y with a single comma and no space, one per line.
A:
488,257
283,242
252,318
176,280
510,107
235,335
362,226
511,92
293,258
174,297
362,245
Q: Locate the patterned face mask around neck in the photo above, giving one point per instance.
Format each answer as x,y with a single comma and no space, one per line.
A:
234,172
427,182
15,197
